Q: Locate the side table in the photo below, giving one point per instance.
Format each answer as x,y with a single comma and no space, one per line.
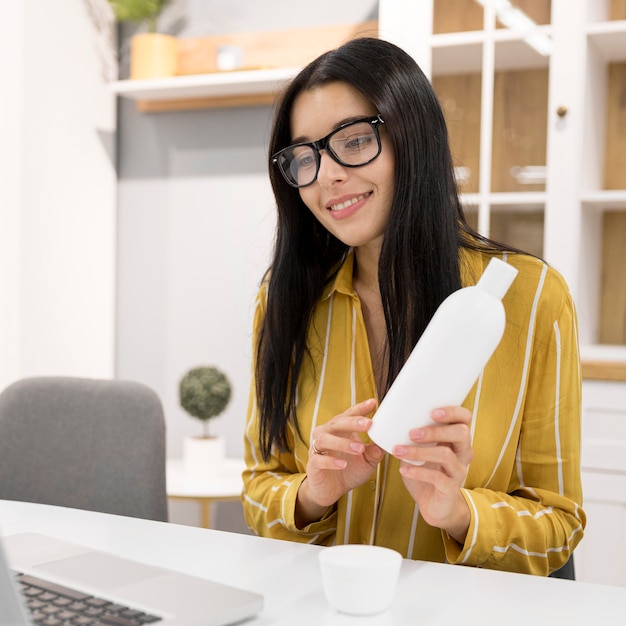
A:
223,487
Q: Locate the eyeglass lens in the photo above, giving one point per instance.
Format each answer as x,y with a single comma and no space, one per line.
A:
353,145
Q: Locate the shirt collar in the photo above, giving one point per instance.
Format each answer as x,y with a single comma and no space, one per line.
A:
342,282
472,266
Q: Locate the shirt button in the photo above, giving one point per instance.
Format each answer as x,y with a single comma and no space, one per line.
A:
372,485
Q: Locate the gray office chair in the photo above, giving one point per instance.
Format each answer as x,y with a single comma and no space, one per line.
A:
567,572
85,444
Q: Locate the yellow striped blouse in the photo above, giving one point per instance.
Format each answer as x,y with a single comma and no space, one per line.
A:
523,487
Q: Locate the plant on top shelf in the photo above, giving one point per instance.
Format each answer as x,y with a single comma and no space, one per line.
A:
152,54
204,393
146,11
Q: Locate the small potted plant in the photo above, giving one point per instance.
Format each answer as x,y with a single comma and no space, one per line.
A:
204,393
152,54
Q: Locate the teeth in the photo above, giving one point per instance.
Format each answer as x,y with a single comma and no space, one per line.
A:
347,203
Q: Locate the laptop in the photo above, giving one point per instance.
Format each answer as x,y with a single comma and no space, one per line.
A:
112,590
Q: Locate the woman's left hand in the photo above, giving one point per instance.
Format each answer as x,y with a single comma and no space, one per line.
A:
436,483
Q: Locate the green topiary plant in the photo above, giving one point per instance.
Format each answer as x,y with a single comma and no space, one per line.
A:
204,393
139,11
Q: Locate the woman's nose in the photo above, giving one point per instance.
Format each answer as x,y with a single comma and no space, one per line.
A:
330,171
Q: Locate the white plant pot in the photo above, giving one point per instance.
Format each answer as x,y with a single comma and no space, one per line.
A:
203,458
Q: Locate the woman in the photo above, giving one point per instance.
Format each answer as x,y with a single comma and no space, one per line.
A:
370,239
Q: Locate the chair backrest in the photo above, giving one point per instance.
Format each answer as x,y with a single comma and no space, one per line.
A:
83,443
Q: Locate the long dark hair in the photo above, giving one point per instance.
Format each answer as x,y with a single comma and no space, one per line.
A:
419,261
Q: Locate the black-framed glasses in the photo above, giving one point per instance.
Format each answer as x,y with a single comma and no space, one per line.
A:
352,144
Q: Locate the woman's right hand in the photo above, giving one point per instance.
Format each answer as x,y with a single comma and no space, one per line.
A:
338,462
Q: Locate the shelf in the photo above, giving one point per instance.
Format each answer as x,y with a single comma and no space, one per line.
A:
203,90
605,200
603,362
460,58
513,201
461,53
609,38
470,199
270,60
518,200
518,55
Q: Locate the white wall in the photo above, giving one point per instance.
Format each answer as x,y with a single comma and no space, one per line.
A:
57,191
11,37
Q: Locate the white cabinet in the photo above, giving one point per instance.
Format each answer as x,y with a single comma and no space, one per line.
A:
601,556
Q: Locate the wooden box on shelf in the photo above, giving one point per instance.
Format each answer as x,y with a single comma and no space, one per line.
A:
271,49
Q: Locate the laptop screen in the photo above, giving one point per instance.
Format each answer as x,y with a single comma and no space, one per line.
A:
12,612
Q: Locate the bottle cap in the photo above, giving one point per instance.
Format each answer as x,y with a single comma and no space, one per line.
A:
497,277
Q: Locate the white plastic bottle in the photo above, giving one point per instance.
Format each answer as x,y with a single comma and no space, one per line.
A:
448,358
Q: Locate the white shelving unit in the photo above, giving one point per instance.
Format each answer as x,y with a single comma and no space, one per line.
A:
573,202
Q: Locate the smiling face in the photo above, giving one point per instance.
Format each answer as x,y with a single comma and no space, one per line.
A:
352,203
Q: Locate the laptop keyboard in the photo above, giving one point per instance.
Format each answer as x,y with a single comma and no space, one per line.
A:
55,605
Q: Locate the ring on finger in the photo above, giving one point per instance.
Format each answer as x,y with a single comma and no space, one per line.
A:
316,451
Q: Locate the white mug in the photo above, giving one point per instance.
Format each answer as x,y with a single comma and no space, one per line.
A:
360,579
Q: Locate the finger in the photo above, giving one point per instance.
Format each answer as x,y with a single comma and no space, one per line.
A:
454,434
444,484
325,462
411,454
354,419
451,415
373,454
341,434
326,442
362,408
440,458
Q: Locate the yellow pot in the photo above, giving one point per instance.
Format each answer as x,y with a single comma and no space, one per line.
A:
153,55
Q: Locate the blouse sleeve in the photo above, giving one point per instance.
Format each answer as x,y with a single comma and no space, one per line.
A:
271,487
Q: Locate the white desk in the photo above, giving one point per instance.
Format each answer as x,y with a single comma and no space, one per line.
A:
287,574
224,487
